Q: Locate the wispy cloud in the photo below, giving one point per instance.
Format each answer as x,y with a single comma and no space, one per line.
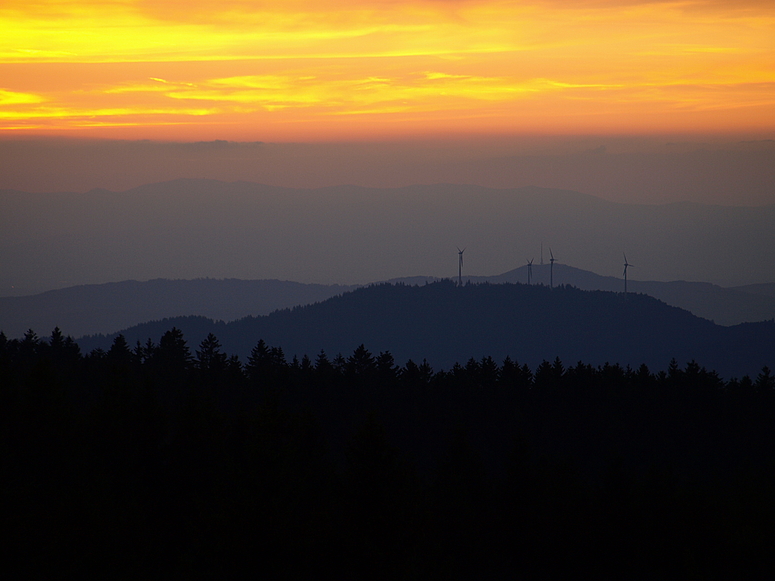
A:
14,98
252,63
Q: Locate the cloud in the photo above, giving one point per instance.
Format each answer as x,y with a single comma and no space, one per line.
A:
254,64
77,116
14,98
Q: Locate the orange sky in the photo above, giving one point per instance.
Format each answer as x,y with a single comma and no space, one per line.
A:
352,69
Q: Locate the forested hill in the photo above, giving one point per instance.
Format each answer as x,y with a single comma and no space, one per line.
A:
446,324
106,308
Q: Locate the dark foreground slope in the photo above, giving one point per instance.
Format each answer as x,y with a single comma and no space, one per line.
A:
448,324
161,463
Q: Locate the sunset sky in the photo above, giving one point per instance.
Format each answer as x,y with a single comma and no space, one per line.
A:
328,70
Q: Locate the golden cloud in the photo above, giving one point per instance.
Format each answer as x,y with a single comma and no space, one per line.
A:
14,98
250,62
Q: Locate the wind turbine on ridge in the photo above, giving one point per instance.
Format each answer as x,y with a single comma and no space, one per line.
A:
626,264
460,266
530,270
551,269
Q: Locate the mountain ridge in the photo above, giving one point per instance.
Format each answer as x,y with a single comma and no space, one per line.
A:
445,324
189,229
104,309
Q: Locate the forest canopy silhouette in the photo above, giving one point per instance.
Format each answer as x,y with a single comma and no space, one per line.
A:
182,460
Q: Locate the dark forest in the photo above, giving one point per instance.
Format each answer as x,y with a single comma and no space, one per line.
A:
165,460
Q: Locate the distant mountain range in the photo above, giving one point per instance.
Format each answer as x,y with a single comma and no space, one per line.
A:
107,308
187,229
447,324
725,306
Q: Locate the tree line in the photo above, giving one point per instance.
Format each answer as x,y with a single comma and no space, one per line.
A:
268,365
158,458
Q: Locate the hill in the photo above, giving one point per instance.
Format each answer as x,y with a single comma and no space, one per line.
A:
448,324
766,289
106,308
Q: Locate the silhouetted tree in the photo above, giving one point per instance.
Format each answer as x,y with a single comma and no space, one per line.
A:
611,377
426,372
674,373
28,347
5,362
324,370
582,377
119,354
210,361
410,374
234,372
549,375
386,367
361,363
63,352
643,378
488,372
172,354
509,375
306,366
525,377
765,380
278,358
259,366
339,364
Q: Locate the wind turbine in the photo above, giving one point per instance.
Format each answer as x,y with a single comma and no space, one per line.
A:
626,264
529,270
551,269
460,266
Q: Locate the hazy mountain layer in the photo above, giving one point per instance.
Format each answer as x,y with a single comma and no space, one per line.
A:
95,309
767,289
198,228
725,306
448,324
92,309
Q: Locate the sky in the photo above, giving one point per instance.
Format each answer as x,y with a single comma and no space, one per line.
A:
632,101
118,93
332,70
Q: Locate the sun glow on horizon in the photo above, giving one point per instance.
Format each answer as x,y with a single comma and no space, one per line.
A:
246,69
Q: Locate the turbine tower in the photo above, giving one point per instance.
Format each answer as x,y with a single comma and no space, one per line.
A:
529,270
460,266
551,269
626,264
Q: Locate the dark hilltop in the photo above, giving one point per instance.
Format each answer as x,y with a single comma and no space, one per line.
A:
447,324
